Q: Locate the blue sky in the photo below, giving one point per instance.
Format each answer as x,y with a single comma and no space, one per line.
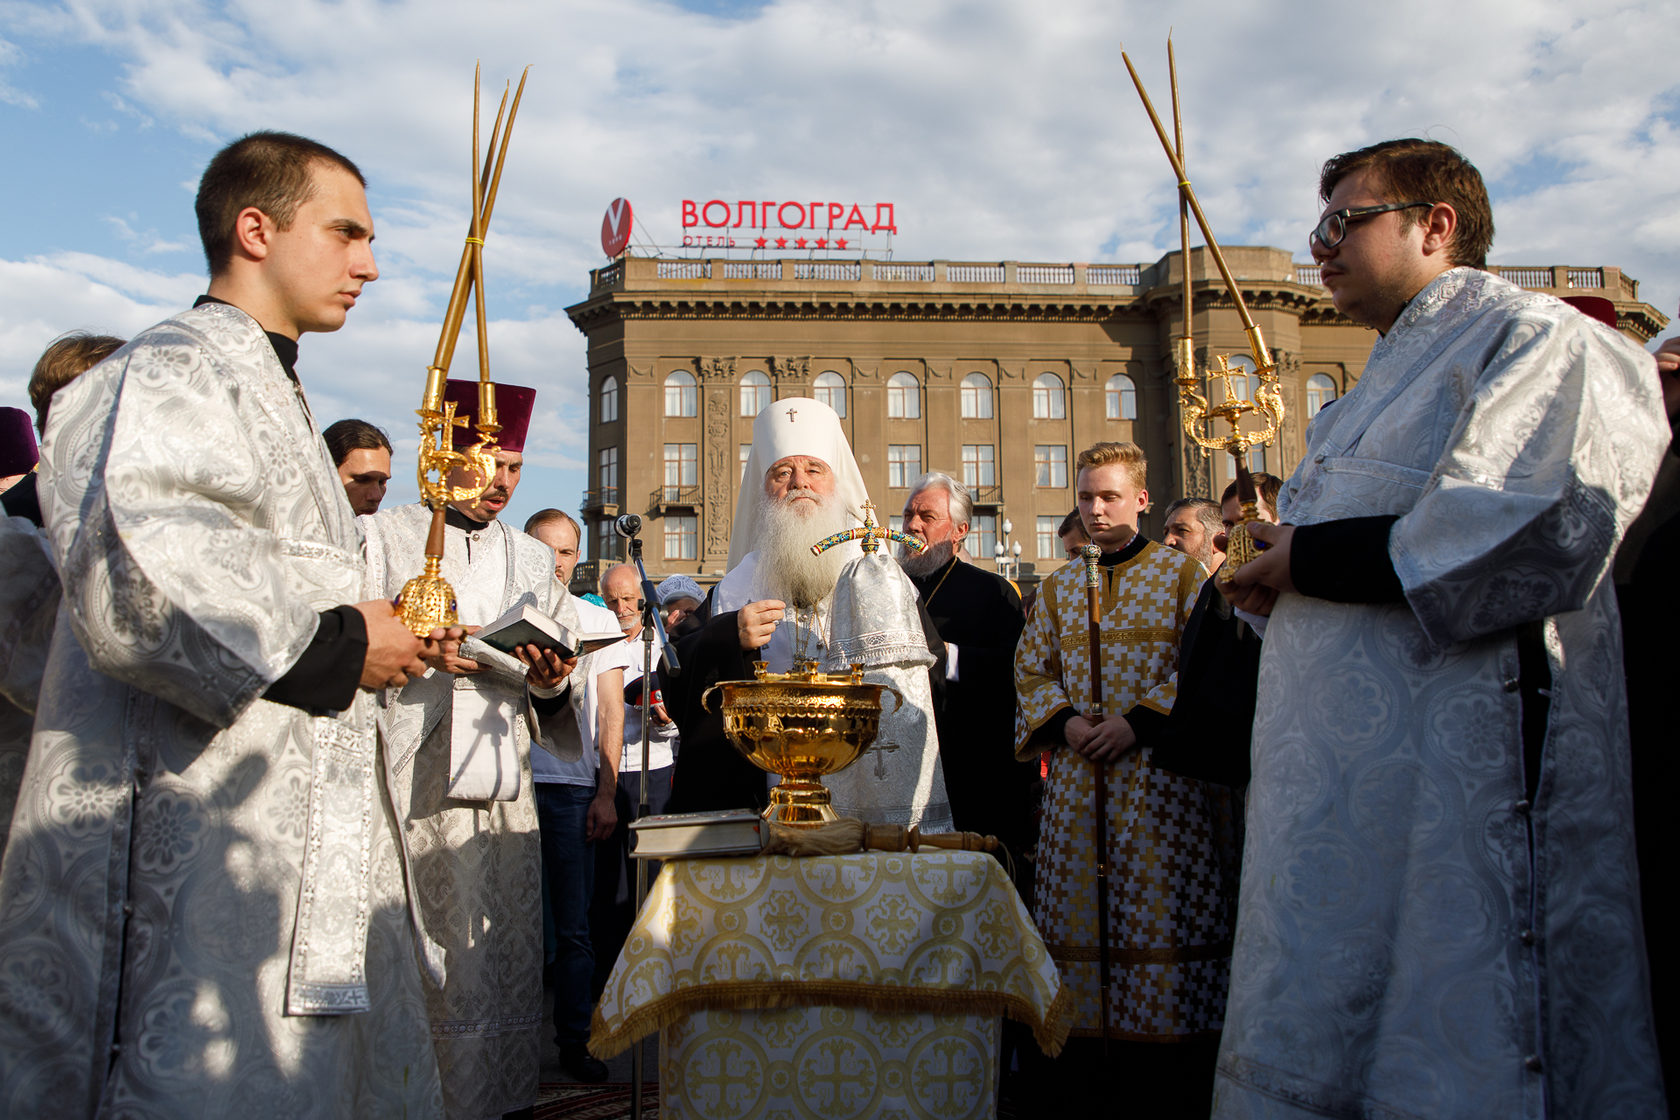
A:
998,130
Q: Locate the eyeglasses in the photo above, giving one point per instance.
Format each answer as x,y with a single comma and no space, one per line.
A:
1333,226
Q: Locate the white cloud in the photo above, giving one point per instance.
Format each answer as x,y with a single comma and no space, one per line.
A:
10,55
45,297
999,130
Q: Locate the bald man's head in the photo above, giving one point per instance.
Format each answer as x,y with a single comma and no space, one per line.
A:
621,590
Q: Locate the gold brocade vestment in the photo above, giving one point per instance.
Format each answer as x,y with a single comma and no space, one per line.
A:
1172,841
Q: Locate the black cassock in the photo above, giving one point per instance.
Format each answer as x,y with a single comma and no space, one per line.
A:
980,612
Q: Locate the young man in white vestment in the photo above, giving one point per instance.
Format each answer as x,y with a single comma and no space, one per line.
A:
1439,911
202,905
459,741
780,603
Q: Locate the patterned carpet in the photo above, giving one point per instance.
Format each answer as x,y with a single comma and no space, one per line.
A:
607,1101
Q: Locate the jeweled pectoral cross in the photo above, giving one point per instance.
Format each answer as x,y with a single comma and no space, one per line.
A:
870,535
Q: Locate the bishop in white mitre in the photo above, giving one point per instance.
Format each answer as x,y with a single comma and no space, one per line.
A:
780,603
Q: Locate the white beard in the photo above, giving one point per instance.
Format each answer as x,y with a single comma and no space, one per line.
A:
928,560
785,564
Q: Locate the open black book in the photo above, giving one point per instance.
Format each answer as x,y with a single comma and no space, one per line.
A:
525,625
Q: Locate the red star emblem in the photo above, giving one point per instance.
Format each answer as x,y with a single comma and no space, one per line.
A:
822,242
762,242
781,243
839,242
800,242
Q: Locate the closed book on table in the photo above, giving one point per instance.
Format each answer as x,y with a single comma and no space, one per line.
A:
723,832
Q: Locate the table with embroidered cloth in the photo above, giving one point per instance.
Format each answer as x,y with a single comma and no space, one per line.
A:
861,985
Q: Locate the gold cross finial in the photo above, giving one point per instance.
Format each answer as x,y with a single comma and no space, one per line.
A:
871,535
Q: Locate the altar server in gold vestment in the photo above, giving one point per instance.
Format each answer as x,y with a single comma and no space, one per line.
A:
1170,842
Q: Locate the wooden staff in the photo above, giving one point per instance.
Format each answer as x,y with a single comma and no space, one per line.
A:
1099,771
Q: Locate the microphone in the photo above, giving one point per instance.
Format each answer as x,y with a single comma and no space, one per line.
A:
628,525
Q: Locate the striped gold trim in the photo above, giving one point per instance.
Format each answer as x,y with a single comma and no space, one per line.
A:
1122,635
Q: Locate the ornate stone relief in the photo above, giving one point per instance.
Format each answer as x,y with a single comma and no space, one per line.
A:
721,467
715,369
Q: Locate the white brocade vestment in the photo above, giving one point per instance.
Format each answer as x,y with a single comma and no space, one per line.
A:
1418,934
871,619
202,909
28,607
459,751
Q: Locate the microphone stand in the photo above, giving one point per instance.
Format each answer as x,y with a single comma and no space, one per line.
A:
652,624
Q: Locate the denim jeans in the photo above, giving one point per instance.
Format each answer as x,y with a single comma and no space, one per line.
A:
614,910
568,862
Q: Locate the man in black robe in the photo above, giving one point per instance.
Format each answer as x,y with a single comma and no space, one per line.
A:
1207,732
979,618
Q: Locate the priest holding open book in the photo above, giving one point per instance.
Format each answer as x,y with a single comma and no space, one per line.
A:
458,742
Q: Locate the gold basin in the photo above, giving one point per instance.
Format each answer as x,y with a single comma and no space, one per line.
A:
801,725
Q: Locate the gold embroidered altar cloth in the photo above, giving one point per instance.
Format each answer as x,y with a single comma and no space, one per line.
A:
831,985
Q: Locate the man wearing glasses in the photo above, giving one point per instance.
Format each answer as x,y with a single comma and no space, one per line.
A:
1439,911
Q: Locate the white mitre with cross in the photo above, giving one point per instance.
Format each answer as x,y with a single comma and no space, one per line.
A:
793,426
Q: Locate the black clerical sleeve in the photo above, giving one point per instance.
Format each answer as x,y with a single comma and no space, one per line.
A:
326,676
710,773
1206,736
23,500
1346,561
547,707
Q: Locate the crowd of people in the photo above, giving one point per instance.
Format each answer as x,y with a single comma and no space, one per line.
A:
1347,830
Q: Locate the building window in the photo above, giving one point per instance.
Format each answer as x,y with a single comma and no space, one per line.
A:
976,397
1121,395
1050,465
896,523
1049,544
681,397
1320,392
830,388
982,536
1049,401
608,544
1257,457
904,399
682,468
609,400
755,392
606,472
979,464
682,533
746,453
904,463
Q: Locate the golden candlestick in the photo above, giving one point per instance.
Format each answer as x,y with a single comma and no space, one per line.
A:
1200,415
427,601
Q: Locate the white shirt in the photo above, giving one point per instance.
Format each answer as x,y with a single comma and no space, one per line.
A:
662,744
581,772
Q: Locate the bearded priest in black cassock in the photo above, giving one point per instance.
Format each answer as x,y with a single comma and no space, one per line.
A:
979,618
